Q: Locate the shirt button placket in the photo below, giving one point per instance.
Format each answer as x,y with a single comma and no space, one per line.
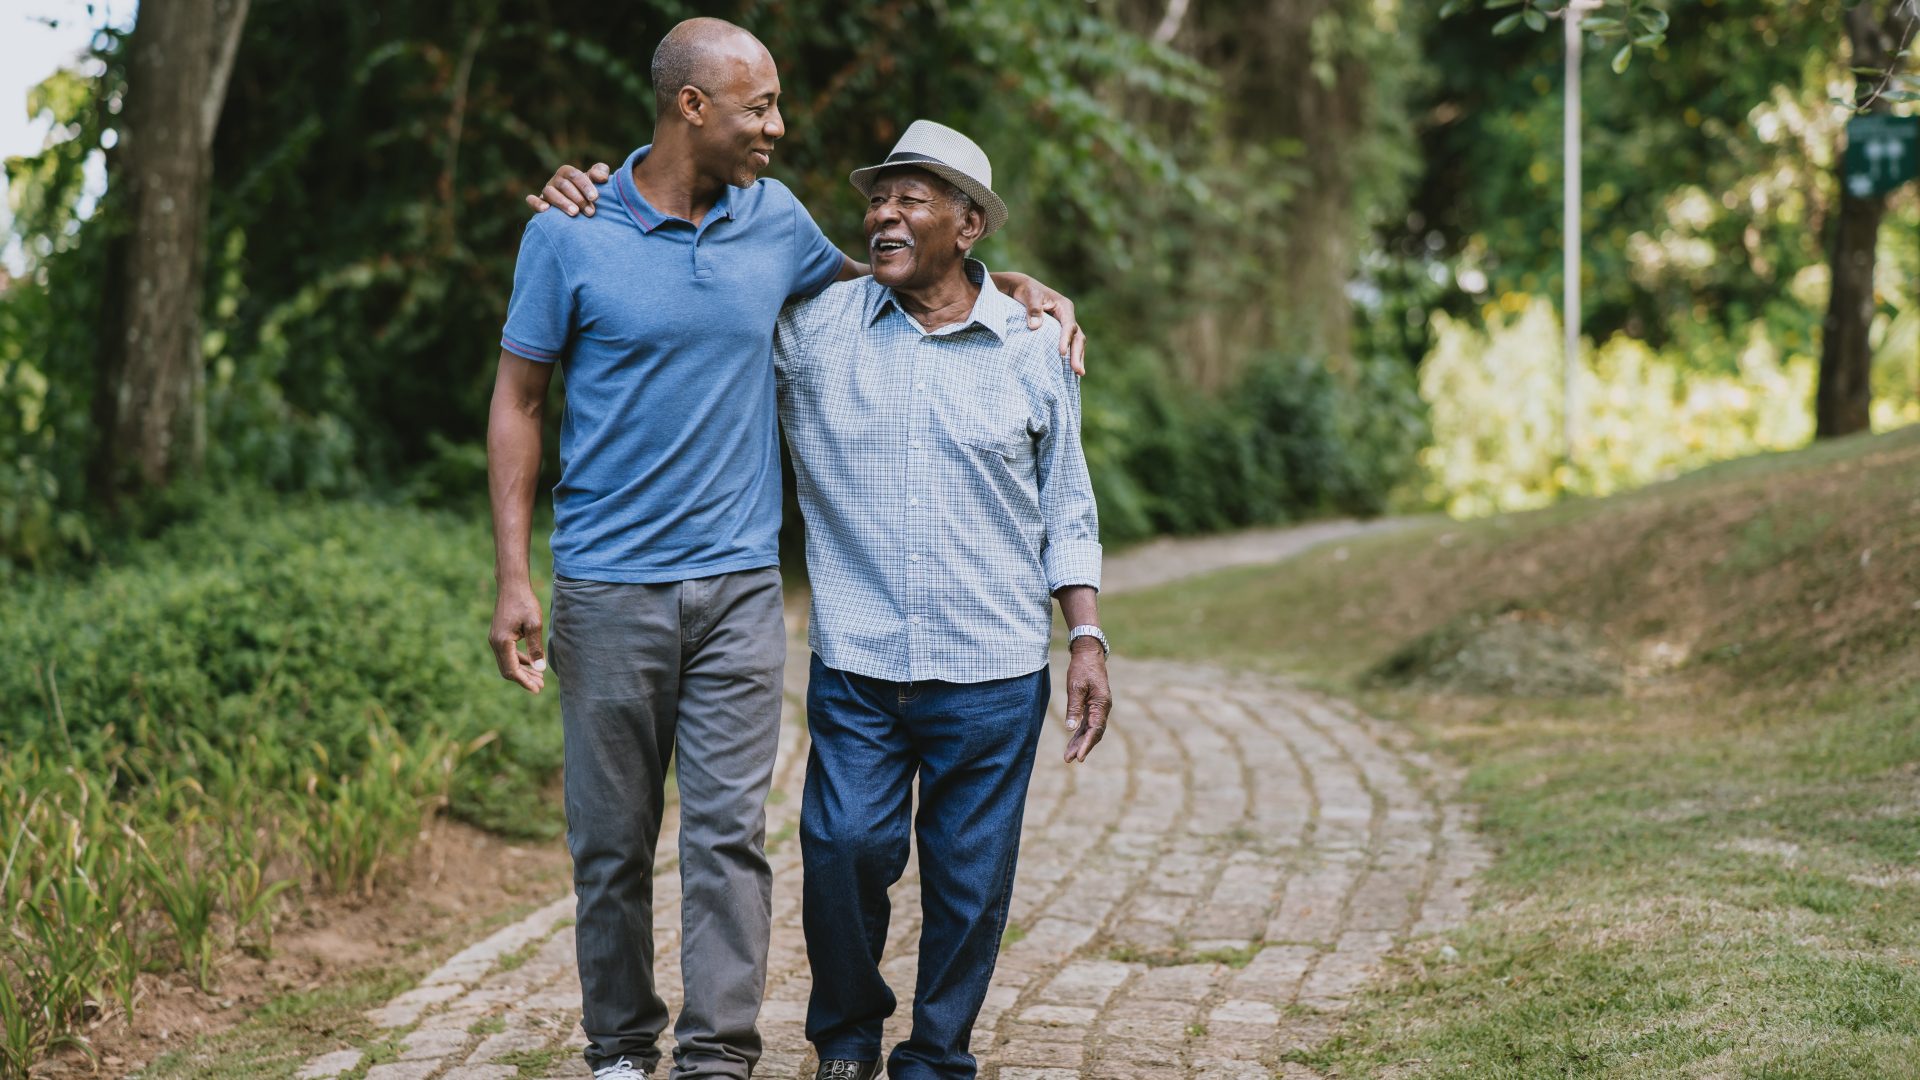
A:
918,425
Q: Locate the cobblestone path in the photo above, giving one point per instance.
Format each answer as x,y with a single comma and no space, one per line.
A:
1199,898
1172,558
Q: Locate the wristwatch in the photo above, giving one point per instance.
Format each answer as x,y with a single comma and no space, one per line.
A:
1088,630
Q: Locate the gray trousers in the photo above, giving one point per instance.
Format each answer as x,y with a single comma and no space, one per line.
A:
645,671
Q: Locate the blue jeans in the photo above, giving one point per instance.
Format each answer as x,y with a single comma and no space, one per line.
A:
972,747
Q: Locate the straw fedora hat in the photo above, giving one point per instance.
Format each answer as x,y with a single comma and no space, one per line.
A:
948,154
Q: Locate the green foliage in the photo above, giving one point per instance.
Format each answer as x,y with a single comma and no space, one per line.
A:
164,856
1707,174
277,622
1620,25
275,696
366,211
47,323
1497,405
1287,440
362,822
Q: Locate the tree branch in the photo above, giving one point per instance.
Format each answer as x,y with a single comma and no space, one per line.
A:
1170,22
226,49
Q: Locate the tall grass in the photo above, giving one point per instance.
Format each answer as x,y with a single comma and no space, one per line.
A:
266,702
143,867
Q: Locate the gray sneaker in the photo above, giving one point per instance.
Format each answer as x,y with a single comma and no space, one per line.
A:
847,1070
624,1069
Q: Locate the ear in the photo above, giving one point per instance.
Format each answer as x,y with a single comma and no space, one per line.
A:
972,229
693,105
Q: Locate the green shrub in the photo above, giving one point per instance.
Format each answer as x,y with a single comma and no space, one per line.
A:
271,695
1289,439
294,624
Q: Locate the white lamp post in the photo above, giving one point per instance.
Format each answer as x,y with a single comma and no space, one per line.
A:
1570,233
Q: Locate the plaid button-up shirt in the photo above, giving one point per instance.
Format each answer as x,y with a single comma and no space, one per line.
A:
941,477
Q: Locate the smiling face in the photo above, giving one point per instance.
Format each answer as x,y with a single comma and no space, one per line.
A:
916,234
735,125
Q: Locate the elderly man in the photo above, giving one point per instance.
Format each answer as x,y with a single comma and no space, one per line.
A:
936,441
667,624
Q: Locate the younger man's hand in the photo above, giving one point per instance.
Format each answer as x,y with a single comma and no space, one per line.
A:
516,618
1040,300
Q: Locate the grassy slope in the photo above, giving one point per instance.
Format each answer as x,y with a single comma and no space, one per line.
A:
1714,872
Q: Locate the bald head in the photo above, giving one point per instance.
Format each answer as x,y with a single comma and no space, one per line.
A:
702,53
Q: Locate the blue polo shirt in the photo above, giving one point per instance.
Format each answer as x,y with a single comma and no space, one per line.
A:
669,464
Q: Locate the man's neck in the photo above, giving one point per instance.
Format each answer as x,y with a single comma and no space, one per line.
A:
670,181
946,301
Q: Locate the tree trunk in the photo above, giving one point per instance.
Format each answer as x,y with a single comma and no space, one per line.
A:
151,388
1282,85
1843,403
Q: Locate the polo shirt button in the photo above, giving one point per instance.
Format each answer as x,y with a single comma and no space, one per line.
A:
913,558
919,386
915,444
913,502
914,619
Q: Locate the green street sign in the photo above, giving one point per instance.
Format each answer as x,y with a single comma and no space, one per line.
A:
1883,152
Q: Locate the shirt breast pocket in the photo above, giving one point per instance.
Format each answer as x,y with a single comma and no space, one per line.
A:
993,420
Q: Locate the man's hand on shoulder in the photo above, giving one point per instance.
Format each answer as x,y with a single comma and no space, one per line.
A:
1040,300
571,190
1089,698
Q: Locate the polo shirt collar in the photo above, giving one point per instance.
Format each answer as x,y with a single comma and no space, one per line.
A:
643,213
983,314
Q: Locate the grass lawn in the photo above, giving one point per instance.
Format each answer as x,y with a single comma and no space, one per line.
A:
1691,720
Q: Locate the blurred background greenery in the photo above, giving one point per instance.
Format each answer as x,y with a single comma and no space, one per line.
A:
1294,229
1316,244
1314,241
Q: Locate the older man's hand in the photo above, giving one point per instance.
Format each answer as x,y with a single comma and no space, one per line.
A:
571,190
1089,699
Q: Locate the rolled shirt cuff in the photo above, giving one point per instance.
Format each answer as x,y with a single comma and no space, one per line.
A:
1071,562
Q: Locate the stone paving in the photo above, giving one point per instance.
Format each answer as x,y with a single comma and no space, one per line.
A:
1197,900
1158,562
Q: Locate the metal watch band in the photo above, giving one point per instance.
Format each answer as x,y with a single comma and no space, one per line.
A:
1092,631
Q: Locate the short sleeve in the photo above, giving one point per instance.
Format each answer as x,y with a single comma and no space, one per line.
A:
540,317
816,262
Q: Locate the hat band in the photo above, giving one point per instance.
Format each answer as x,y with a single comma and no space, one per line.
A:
909,156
